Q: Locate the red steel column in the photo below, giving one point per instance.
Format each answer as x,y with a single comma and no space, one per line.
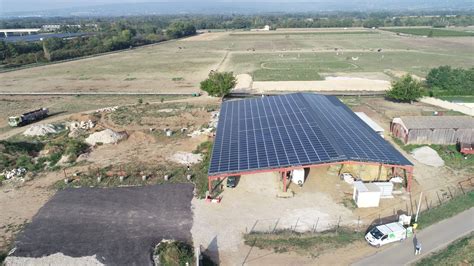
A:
410,177
209,182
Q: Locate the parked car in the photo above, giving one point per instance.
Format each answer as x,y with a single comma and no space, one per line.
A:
232,181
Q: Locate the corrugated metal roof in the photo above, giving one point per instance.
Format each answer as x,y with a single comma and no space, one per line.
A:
376,127
422,122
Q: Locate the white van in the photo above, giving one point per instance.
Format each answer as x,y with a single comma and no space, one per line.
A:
388,233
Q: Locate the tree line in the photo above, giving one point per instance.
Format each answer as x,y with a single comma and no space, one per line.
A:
111,37
440,81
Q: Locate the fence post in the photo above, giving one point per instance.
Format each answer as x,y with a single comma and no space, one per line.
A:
426,201
296,224
450,192
253,227
316,225
338,222
462,189
439,199
276,224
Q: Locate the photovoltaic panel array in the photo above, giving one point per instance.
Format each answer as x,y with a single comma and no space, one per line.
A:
294,130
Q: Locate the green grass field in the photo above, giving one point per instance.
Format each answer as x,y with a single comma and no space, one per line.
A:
179,66
433,31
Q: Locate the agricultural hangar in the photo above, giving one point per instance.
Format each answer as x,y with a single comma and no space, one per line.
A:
299,131
443,130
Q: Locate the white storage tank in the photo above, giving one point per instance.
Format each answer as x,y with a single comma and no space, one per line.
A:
366,195
297,176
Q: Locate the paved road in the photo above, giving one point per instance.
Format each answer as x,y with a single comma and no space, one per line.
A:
432,238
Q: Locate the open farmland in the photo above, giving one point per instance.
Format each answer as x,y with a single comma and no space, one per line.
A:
433,31
282,55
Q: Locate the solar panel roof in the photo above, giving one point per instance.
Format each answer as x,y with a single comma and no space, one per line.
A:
294,130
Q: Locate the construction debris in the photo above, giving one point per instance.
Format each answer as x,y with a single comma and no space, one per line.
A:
18,172
86,125
186,158
106,136
211,126
40,130
106,109
428,156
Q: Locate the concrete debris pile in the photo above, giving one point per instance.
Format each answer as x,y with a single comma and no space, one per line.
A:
78,128
106,136
186,158
211,126
40,130
106,109
86,125
19,172
428,156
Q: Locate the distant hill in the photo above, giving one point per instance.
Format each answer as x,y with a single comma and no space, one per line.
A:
11,8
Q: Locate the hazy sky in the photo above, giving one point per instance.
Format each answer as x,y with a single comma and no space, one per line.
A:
36,5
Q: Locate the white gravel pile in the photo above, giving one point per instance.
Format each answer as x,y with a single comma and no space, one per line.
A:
428,156
106,136
40,130
186,158
54,259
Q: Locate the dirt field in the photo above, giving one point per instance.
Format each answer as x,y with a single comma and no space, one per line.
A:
291,55
142,147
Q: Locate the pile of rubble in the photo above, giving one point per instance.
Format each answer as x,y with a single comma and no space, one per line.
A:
186,158
86,125
78,128
107,136
211,126
40,130
19,172
107,109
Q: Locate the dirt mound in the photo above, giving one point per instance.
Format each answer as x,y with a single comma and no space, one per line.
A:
186,158
428,156
40,130
106,136
139,136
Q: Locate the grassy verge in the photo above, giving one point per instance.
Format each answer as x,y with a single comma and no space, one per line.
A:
451,156
432,32
447,210
463,99
305,243
457,253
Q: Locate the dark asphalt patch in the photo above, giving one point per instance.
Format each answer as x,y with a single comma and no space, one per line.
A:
119,225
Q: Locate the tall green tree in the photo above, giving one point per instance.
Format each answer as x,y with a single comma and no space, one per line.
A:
219,83
406,89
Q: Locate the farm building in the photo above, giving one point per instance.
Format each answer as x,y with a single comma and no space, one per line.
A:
443,130
291,132
371,123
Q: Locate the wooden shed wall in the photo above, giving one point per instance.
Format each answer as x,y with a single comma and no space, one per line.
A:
437,136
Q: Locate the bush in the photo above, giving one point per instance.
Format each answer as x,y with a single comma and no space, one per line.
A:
175,253
219,83
405,90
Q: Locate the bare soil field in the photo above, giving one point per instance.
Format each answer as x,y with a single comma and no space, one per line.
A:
329,84
143,149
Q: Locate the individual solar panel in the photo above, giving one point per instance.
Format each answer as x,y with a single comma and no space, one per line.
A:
293,130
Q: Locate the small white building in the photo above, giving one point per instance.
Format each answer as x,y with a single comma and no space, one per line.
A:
371,123
366,195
